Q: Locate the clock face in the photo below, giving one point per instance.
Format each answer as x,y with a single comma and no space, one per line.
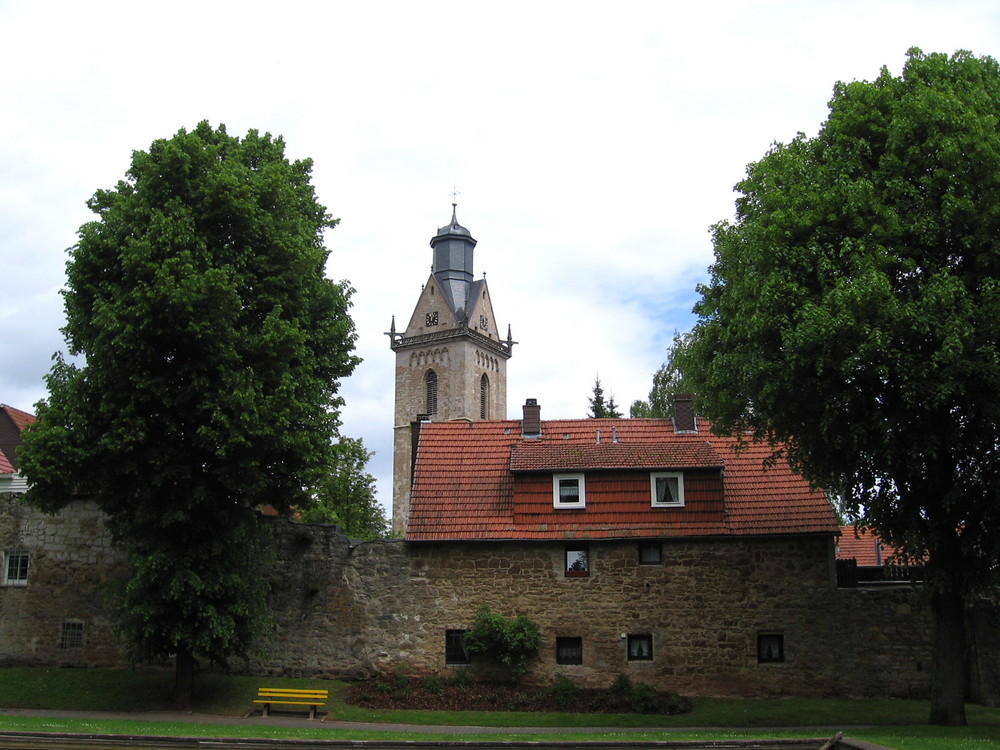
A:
483,321
431,318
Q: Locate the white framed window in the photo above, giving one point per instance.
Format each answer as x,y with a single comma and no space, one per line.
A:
569,491
15,567
667,489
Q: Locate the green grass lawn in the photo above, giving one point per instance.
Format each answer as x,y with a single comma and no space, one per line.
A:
893,723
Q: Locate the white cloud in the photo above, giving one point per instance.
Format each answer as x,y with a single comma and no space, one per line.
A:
593,146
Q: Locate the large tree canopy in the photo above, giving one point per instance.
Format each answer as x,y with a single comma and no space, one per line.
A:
212,347
853,315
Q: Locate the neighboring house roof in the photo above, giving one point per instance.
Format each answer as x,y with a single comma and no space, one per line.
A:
12,422
864,546
468,474
21,419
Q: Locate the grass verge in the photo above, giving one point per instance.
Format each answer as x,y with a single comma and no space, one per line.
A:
892,723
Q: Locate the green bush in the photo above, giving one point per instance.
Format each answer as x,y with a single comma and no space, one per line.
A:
565,692
433,684
512,641
645,699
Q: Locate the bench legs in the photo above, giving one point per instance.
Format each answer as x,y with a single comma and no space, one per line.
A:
266,710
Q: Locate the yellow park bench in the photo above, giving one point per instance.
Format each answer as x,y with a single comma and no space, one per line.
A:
291,697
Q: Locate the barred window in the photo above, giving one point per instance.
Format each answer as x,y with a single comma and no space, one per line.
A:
569,650
71,635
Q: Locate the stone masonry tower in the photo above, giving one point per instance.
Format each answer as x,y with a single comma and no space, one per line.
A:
450,360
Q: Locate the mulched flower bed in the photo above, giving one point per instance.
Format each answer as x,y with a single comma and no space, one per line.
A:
435,694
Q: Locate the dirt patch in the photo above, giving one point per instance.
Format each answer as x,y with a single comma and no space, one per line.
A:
434,694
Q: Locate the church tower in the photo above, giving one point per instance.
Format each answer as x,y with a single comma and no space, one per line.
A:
450,360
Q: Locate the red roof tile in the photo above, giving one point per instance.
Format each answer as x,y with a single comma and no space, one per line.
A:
21,419
538,455
465,475
864,546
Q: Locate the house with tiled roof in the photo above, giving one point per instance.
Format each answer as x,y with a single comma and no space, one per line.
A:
12,422
594,479
646,547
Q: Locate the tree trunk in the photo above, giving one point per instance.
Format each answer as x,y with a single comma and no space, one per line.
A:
184,680
948,684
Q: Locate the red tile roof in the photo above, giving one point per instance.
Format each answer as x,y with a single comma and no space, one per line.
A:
864,546
466,473
540,455
21,419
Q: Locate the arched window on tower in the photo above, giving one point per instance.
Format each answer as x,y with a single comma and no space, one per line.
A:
484,397
431,381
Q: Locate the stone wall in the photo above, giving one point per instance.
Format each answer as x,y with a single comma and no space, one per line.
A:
61,616
343,608
704,606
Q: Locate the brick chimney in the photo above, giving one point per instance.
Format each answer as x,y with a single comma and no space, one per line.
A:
684,417
531,426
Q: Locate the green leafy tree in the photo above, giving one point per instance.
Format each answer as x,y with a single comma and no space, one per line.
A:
212,350
601,408
346,496
853,315
667,381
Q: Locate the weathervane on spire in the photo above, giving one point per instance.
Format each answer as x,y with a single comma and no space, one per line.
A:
454,205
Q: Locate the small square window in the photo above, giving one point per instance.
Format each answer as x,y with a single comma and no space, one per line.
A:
667,489
650,553
15,567
770,648
569,650
454,647
577,560
569,491
640,647
71,635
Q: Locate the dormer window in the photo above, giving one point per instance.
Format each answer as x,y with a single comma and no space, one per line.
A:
569,491
667,489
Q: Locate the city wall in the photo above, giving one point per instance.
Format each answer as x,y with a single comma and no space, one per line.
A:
343,608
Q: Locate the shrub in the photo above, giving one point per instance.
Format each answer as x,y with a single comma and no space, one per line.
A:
565,692
433,684
512,641
621,688
460,678
645,699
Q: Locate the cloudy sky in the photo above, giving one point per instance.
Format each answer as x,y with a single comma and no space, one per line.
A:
592,146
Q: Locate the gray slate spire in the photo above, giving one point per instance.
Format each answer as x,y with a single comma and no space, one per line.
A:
453,246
